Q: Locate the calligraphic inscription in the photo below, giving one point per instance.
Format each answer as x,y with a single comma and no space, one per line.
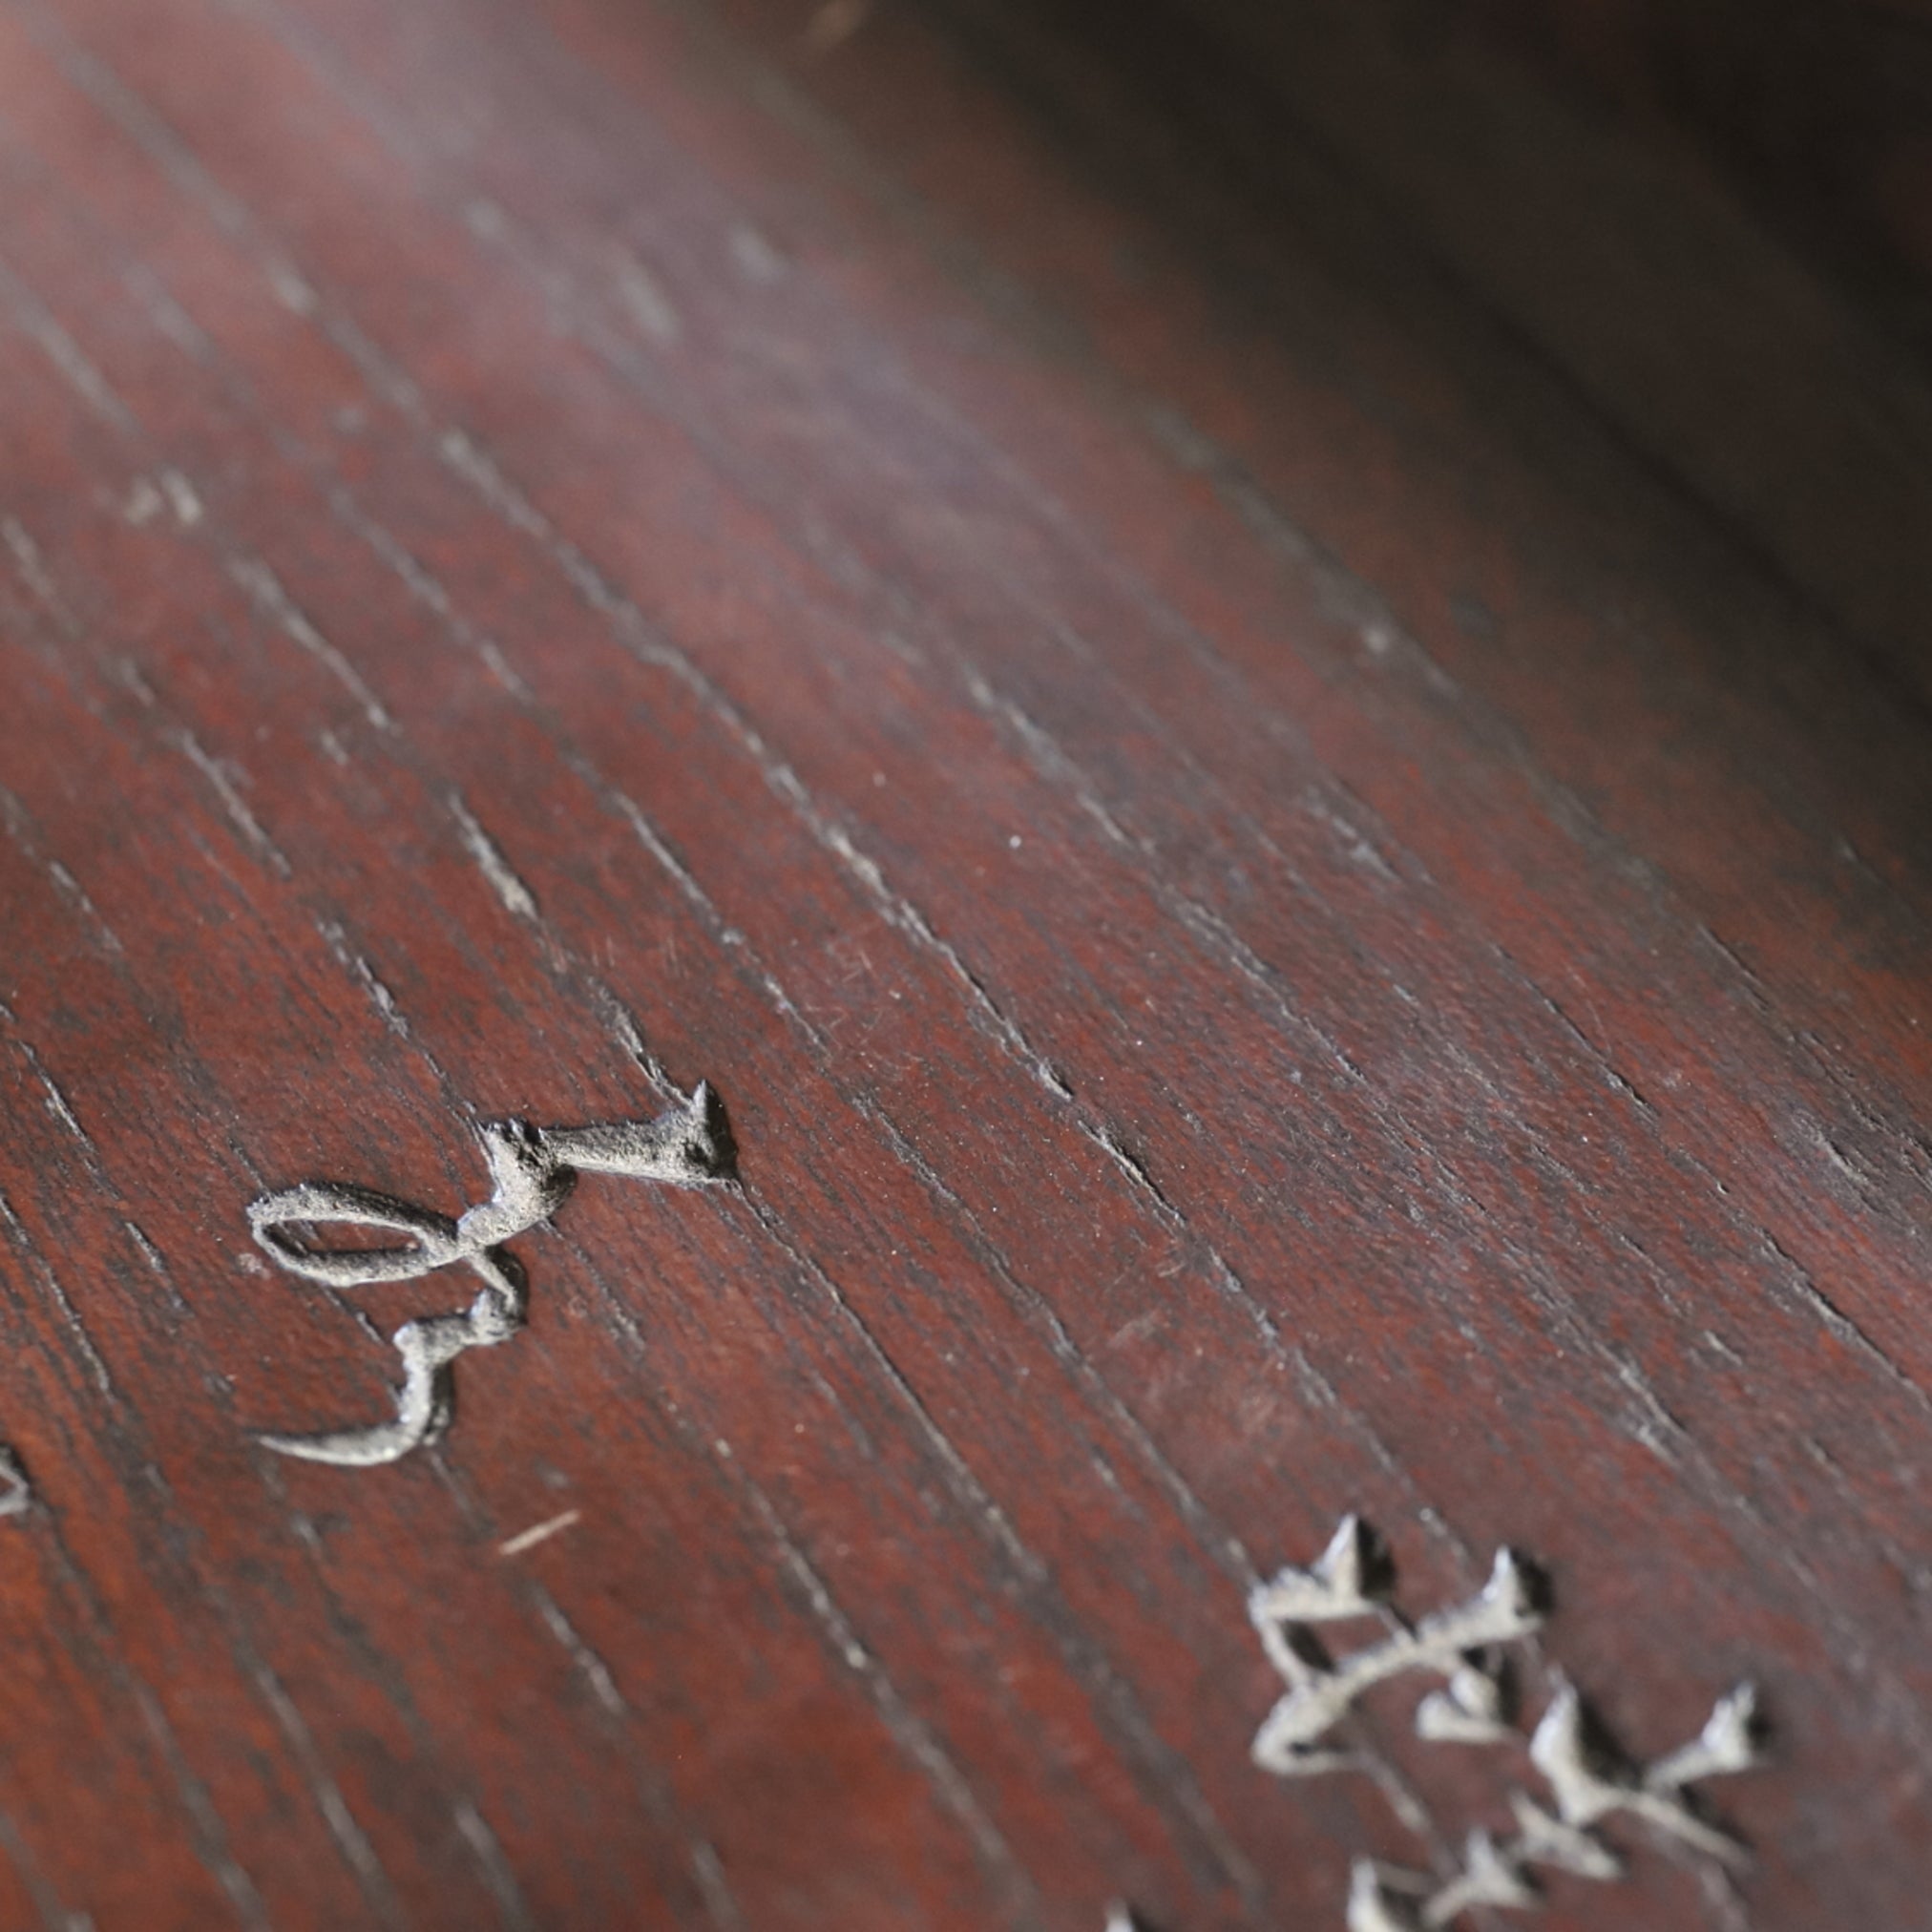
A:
532,1171
1589,1779
1473,1703
1353,1579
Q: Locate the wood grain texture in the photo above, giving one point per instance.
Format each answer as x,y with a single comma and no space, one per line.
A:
1290,921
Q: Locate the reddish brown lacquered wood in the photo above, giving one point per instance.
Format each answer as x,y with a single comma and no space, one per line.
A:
1284,930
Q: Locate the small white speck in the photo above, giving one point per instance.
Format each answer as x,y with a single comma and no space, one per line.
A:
486,220
290,289
181,498
758,259
646,298
1013,844
835,23
144,500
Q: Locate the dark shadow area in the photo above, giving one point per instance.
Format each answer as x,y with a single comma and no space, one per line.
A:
1735,276
1681,266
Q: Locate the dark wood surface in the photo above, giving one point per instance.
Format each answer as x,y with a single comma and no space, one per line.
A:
1303,860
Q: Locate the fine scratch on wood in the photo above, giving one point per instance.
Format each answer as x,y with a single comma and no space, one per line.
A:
31,566
84,1341
56,1100
60,348
265,589
234,1878
240,816
645,301
596,1672
377,1888
755,257
54,1917
538,1533
20,829
183,498
517,898
170,491
658,1799
497,1872
708,1870
908,1728
57,1106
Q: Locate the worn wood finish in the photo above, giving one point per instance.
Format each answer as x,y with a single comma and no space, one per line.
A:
1287,924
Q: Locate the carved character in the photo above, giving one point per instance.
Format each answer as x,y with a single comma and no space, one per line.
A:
532,1171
